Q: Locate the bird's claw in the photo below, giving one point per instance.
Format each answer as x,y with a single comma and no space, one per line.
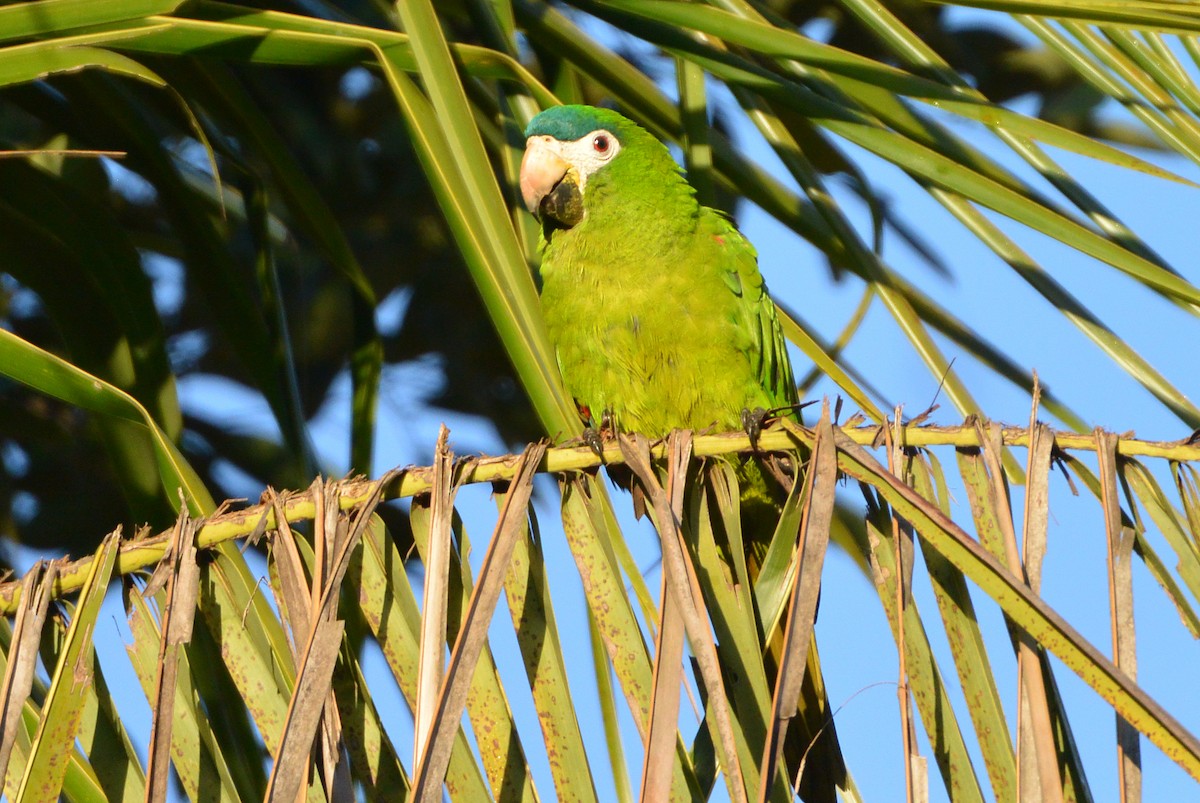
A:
596,443
752,423
594,437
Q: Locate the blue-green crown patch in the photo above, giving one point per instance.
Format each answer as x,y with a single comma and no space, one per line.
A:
569,123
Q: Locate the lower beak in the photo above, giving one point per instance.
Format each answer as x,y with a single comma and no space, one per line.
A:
541,171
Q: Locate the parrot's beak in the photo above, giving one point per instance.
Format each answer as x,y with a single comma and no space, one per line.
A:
549,185
541,171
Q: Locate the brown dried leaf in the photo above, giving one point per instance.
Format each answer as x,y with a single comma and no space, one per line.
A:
428,775
1120,590
313,684
659,762
436,596
36,589
293,594
183,587
684,585
1037,503
814,539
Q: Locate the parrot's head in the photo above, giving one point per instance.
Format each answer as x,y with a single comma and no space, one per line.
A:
565,148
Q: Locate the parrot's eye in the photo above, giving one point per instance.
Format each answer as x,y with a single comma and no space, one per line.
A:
593,151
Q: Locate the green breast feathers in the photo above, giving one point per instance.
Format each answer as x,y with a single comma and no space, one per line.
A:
654,303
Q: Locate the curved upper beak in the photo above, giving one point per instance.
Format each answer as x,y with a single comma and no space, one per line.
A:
541,171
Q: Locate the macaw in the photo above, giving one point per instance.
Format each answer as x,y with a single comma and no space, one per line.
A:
655,305
660,319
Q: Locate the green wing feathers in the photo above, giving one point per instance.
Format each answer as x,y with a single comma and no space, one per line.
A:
774,367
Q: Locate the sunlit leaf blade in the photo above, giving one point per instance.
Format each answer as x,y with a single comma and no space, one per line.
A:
608,712
54,741
390,609
1167,17
527,592
52,375
20,657
1168,522
35,61
658,763
22,20
798,644
105,740
195,752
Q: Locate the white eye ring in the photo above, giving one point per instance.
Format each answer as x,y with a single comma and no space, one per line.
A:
590,153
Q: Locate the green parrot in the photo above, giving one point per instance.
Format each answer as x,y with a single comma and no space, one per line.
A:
660,318
655,305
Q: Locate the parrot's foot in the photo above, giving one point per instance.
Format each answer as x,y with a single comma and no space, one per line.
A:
752,423
595,438
591,436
